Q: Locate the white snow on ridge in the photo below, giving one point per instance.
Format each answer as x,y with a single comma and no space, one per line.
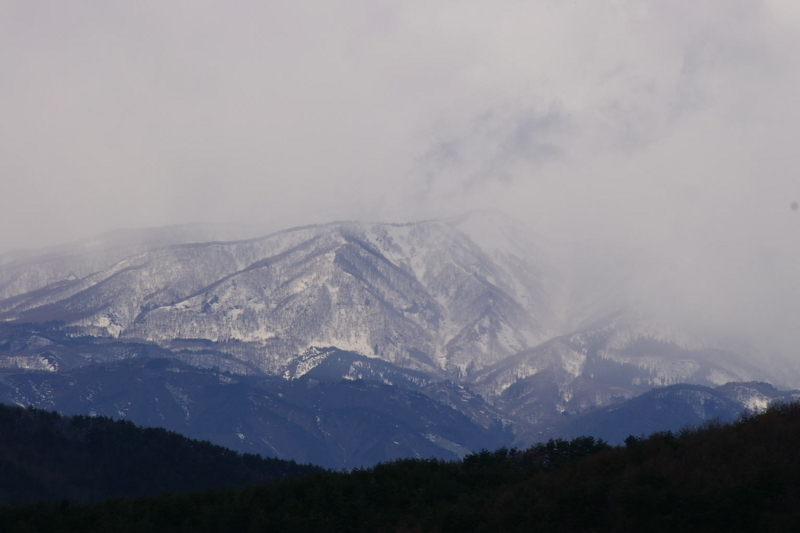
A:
28,362
467,293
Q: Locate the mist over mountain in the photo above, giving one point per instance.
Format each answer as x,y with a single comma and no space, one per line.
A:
407,230
467,332
422,295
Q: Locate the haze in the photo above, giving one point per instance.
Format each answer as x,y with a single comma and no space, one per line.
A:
656,136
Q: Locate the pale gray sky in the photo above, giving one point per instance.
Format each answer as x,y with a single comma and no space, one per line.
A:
658,125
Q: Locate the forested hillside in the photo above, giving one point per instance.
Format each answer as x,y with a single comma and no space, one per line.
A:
46,456
738,477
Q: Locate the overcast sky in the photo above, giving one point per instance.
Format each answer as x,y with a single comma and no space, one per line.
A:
660,125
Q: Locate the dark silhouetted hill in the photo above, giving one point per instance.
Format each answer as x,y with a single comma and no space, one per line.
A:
743,476
46,456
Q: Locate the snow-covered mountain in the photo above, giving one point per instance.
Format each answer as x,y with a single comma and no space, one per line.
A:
444,296
613,359
670,408
475,313
26,271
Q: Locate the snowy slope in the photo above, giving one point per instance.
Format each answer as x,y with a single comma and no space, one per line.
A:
427,295
475,299
614,359
26,271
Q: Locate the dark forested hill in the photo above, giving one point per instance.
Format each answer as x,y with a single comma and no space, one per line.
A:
743,476
46,456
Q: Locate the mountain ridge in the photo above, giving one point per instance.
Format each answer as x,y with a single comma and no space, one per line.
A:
468,311
364,259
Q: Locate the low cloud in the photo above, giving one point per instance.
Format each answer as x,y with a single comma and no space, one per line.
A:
657,129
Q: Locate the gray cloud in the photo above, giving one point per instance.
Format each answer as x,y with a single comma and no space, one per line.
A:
639,128
492,148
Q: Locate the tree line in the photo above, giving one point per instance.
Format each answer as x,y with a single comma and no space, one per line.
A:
46,456
743,476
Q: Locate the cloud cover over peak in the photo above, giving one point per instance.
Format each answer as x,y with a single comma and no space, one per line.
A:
648,129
